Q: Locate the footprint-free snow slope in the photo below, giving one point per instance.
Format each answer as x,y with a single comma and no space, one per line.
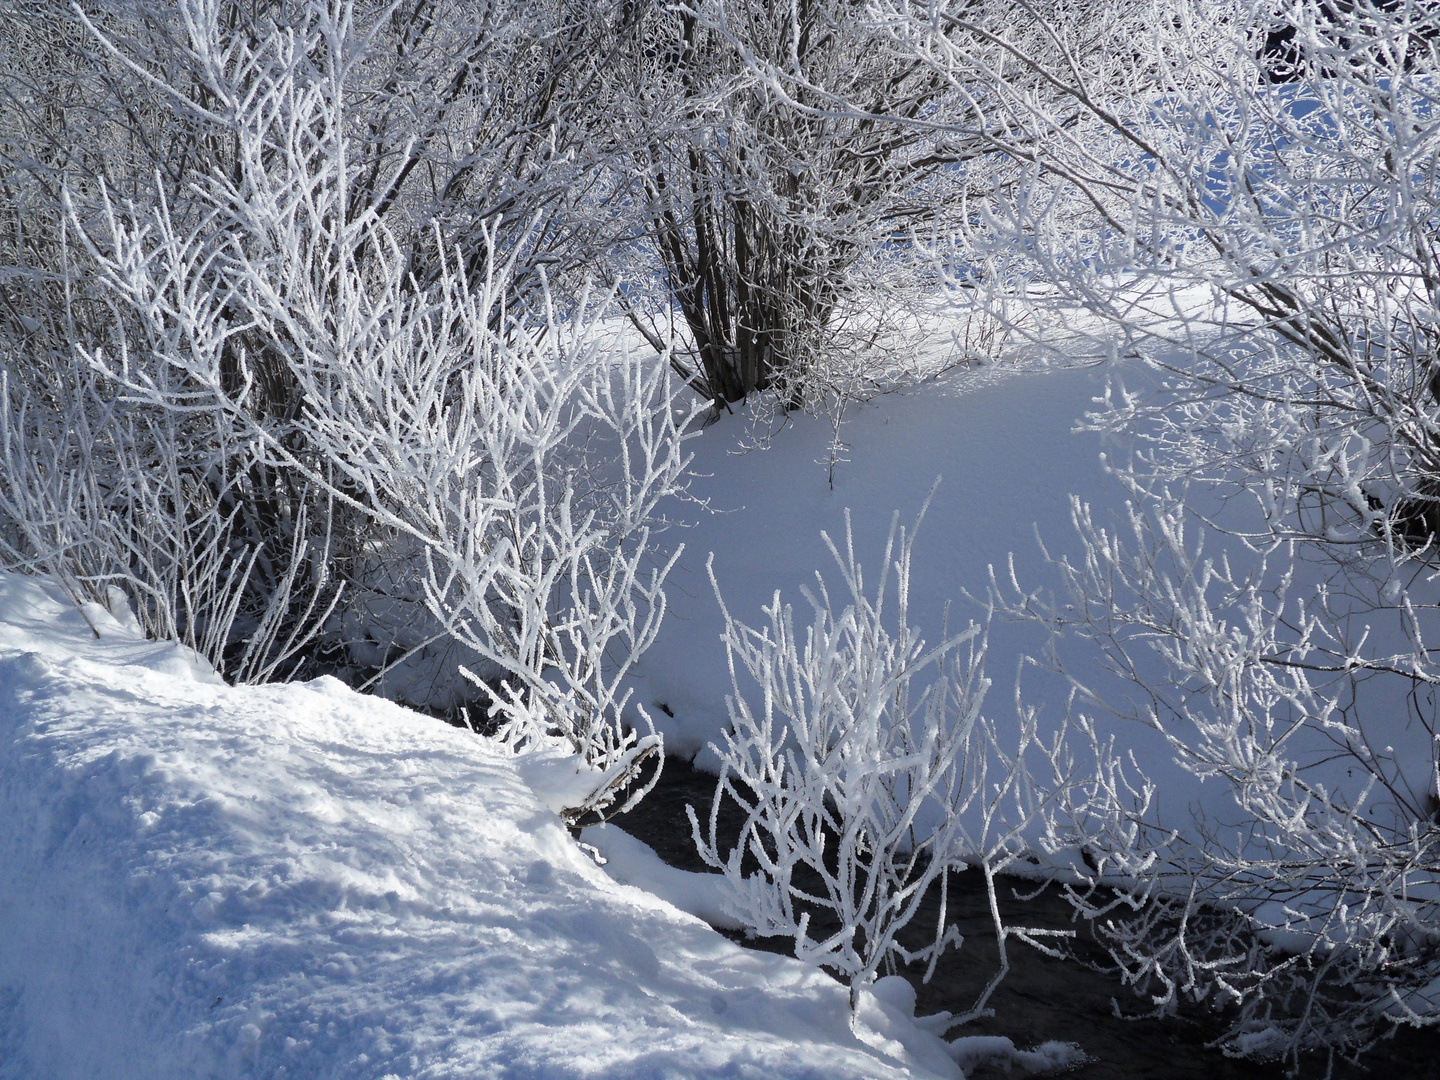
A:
297,881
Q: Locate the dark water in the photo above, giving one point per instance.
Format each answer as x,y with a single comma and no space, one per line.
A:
1041,998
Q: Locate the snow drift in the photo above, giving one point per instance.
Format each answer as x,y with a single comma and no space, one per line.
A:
199,880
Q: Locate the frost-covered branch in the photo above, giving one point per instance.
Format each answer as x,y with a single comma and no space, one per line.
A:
483,454
860,793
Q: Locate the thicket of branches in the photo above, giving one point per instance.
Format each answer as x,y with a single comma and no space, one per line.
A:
784,234
1245,194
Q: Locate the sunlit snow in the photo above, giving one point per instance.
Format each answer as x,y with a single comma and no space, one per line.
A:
198,880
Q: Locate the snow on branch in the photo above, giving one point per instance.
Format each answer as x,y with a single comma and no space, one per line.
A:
865,772
466,429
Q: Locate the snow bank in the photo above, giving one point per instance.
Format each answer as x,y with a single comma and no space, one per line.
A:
205,881
1001,439
634,862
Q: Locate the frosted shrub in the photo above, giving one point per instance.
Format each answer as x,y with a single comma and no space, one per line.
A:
515,462
1241,195
797,245
172,513
1310,905
865,773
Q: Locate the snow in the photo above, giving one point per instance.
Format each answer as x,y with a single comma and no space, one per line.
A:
634,862
295,880
1002,442
1048,1058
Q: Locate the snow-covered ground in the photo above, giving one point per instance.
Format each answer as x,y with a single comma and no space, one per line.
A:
205,881
199,880
1001,442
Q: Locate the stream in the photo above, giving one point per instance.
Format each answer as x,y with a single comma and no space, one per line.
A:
1041,997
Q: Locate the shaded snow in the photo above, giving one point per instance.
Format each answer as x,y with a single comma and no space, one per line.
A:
205,881
1005,446
1002,442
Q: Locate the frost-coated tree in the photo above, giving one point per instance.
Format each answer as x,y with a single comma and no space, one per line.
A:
782,227
859,792
1246,195
453,136
500,461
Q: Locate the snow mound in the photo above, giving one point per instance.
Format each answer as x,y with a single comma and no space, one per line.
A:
297,881
1047,1059
634,862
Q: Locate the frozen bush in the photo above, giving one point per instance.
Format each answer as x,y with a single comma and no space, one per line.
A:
277,318
858,792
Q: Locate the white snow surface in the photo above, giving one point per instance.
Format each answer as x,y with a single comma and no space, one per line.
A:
1002,442
634,862
298,881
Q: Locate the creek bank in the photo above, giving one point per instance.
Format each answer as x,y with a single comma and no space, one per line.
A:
1041,997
